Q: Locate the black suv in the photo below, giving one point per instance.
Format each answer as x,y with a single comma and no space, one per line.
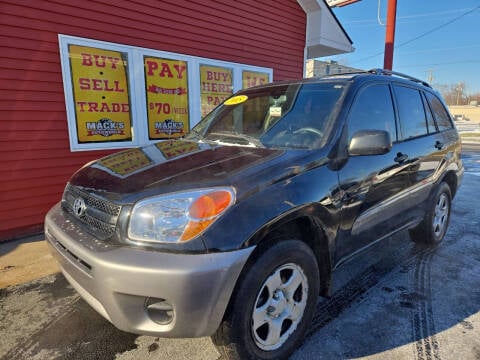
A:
234,231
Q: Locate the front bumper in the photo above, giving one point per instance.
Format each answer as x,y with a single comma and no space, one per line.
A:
118,282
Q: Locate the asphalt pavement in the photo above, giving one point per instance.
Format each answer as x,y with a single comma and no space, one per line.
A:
396,301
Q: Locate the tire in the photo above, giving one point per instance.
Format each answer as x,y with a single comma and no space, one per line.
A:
434,225
272,306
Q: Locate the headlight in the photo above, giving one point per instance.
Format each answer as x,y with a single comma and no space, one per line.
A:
179,216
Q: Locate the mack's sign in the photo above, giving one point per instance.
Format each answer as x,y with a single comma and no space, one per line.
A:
100,88
166,85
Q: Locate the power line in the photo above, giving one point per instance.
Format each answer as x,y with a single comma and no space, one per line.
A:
438,27
439,49
422,35
434,13
366,21
444,63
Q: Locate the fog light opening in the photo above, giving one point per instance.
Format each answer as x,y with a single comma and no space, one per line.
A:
159,310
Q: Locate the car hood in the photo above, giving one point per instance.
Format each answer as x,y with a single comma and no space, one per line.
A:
177,165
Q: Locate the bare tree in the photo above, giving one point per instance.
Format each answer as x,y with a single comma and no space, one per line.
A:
454,94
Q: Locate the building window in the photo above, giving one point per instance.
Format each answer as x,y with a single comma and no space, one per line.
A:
121,96
254,78
216,84
166,85
100,94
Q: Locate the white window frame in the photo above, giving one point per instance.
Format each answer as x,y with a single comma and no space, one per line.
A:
136,82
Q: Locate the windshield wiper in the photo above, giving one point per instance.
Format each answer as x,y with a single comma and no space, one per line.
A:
195,133
250,140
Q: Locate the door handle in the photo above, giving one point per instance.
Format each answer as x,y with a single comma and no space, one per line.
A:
400,158
438,145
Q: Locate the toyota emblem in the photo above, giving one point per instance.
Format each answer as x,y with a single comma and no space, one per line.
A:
79,207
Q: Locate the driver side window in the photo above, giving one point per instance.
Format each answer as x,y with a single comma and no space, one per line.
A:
373,110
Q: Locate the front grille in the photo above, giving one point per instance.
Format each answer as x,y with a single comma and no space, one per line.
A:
99,216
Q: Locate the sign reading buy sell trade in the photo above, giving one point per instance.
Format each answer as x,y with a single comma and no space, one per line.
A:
166,84
100,91
216,84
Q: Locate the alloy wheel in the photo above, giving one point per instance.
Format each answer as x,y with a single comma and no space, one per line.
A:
440,216
279,306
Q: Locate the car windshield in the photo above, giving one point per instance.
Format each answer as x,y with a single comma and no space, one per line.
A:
277,116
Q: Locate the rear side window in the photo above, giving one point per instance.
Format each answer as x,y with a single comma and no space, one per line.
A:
411,112
432,128
373,110
441,115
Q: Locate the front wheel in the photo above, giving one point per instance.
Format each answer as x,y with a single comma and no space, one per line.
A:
273,305
433,227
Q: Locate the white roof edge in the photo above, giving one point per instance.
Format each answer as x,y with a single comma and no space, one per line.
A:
325,35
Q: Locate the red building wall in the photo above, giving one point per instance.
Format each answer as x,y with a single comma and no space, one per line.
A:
36,161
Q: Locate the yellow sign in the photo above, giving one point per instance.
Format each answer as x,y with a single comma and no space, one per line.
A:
254,78
236,100
126,162
166,84
216,84
172,149
100,90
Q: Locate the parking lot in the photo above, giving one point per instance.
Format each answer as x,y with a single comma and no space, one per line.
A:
396,301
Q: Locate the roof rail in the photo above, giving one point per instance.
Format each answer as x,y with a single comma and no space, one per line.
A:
389,72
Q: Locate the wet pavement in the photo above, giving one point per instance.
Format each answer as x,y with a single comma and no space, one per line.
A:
396,301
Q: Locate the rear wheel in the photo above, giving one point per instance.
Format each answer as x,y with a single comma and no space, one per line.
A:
434,225
273,305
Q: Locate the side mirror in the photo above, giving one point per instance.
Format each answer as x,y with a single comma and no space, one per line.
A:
370,142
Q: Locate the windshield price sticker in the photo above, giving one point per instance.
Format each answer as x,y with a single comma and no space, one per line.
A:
236,100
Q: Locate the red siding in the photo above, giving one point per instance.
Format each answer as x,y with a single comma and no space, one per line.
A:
35,158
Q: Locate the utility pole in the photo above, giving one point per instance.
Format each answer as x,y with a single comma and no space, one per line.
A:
390,34
459,92
430,77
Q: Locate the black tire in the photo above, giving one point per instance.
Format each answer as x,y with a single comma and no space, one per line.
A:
434,225
269,290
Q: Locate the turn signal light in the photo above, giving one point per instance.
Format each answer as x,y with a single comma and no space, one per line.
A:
204,210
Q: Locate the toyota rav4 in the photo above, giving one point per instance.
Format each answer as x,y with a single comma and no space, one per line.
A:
235,230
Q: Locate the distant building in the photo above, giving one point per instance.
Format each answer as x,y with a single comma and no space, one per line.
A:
321,68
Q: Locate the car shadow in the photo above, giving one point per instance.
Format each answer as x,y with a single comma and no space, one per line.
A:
8,246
